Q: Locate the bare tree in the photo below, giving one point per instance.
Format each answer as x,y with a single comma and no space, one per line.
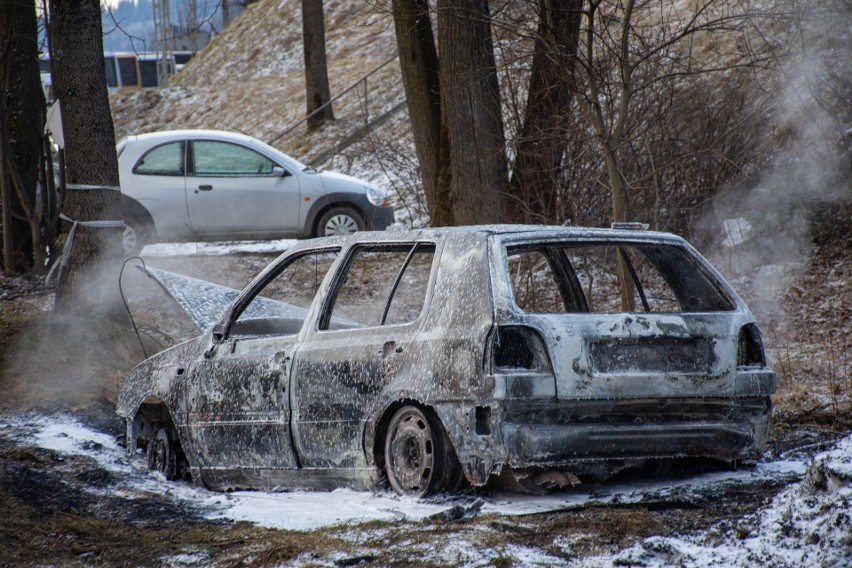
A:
470,99
91,162
633,53
421,79
454,108
22,109
317,91
547,116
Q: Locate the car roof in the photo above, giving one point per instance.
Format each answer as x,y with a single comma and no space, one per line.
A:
509,233
192,133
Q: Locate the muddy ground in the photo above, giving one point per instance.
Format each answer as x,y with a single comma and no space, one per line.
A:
68,510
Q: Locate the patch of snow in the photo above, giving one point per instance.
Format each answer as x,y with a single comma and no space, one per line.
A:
808,524
305,510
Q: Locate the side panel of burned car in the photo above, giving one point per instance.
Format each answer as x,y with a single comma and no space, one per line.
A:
238,393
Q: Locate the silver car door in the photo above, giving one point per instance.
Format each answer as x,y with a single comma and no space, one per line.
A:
235,190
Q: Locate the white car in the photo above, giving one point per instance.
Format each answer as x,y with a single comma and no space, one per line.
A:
203,185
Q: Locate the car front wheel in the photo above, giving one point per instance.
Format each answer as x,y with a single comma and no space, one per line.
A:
340,221
419,459
162,455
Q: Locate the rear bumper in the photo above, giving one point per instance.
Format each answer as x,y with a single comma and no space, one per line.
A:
530,445
726,429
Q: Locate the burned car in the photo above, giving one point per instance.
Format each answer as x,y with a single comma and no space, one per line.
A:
440,357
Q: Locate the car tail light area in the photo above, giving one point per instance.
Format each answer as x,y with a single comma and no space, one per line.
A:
519,348
750,347
520,358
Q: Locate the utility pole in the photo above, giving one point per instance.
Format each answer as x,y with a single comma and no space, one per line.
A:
163,39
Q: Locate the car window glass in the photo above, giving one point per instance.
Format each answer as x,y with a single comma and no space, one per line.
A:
213,158
165,160
381,286
281,305
661,278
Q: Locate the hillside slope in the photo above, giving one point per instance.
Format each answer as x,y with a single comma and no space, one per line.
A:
250,78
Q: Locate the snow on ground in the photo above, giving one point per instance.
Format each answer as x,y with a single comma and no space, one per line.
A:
304,510
808,524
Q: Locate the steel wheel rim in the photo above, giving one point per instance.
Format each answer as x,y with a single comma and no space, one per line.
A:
160,454
340,225
412,454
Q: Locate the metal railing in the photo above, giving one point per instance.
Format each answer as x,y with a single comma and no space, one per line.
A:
337,97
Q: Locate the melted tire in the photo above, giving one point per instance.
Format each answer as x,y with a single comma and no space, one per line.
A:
161,455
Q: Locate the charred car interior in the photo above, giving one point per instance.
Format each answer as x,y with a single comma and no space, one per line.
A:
437,358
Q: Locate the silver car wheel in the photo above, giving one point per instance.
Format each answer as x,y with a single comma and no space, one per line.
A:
129,240
340,224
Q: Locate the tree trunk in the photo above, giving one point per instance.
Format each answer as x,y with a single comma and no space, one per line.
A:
23,108
418,61
226,13
89,287
317,90
544,134
470,103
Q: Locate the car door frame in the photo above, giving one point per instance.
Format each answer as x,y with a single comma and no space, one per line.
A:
275,355
380,361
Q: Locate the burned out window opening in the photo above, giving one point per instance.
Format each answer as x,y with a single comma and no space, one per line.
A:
281,304
383,285
570,278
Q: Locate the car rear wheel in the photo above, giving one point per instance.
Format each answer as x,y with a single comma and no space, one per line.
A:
419,459
340,221
162,455
135,236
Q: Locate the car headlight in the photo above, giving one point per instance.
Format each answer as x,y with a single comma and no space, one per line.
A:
376,196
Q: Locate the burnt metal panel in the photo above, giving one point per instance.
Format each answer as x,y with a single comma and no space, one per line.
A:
655,354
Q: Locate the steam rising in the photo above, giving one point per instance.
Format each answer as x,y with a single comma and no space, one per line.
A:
765,225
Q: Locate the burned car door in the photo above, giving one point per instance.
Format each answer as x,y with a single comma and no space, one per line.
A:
361,341
238,393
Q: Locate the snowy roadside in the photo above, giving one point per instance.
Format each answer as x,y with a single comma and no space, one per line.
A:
808,524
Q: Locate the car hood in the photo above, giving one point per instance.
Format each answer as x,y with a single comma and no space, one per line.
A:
333,181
